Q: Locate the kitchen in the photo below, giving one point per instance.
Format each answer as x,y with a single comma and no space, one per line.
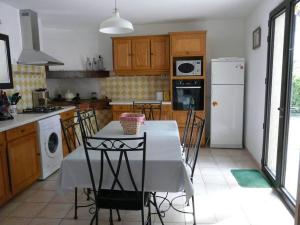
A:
117,80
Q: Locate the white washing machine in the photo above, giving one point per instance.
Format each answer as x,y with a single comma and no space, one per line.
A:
50,141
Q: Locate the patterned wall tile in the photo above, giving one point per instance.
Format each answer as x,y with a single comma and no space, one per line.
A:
138,87
26,79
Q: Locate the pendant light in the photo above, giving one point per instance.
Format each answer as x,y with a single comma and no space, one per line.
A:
116,24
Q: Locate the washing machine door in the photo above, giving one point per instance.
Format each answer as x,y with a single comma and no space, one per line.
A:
52,144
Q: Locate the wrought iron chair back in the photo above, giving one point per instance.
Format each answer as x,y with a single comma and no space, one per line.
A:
194,143
71,128
114,159
152,111
189,120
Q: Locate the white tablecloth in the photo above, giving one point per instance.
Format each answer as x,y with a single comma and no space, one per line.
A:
165,170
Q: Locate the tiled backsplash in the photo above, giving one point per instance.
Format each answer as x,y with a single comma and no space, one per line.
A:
26,79
134,87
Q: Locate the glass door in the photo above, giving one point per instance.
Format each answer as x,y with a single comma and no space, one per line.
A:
293,142
274,95
281,153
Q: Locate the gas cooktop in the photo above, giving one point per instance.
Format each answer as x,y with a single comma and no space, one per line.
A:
42,109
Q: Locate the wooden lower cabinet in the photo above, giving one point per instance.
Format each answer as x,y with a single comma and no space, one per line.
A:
4,179
117,110
23,162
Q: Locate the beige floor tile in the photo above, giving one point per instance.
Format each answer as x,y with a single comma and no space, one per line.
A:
54,210
8,208
49,185
27,210
41,221
75,222
40,196
65,198
15,221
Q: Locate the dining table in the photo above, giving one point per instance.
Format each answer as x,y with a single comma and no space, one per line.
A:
165,168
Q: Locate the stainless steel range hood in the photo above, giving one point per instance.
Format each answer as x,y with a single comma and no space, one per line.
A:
31,53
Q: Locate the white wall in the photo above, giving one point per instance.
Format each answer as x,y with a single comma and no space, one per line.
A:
10,25
255,78
224,38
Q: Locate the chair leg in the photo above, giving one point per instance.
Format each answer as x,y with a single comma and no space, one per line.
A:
119,217
149,214
157,209
75,208
194,215
88,194
110,217
143,216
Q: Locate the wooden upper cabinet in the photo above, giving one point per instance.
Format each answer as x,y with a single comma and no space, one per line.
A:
144,55
188,43
140,53
160,53
122,54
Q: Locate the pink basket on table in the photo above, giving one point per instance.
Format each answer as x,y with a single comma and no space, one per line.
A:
131,122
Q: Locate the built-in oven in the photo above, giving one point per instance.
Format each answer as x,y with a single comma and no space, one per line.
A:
188,94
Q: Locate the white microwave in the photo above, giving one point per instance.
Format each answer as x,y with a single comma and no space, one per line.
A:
188,68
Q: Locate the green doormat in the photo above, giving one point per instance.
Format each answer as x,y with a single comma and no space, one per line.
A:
250,178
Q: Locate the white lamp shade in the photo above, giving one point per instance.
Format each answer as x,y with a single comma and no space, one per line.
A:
116,25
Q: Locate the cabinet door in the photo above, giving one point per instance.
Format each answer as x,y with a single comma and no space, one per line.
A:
4,183
23,162
141,54
188,44
160,53
122,54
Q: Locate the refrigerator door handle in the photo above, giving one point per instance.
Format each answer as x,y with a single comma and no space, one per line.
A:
215,103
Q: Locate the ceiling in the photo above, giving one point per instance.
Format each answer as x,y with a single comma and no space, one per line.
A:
89,13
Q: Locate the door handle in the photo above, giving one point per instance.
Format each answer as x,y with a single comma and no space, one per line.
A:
280,109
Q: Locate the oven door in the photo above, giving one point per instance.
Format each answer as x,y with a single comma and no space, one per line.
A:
188,97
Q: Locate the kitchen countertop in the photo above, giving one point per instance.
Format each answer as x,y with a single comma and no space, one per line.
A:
25,118
129,102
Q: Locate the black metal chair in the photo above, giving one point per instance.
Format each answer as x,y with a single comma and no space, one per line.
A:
125,190
191,154
189,119
73,137
152,111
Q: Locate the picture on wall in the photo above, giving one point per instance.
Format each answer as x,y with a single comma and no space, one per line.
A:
256,38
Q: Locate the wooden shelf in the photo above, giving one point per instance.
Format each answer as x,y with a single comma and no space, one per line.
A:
68,74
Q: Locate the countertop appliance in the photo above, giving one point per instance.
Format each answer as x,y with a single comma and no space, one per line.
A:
188,94
40,97
189,67
50,143
227,102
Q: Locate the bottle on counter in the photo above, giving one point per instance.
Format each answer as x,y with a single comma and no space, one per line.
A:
95,65
88,64
100,63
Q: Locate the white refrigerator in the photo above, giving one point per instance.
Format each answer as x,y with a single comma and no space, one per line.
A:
227,102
